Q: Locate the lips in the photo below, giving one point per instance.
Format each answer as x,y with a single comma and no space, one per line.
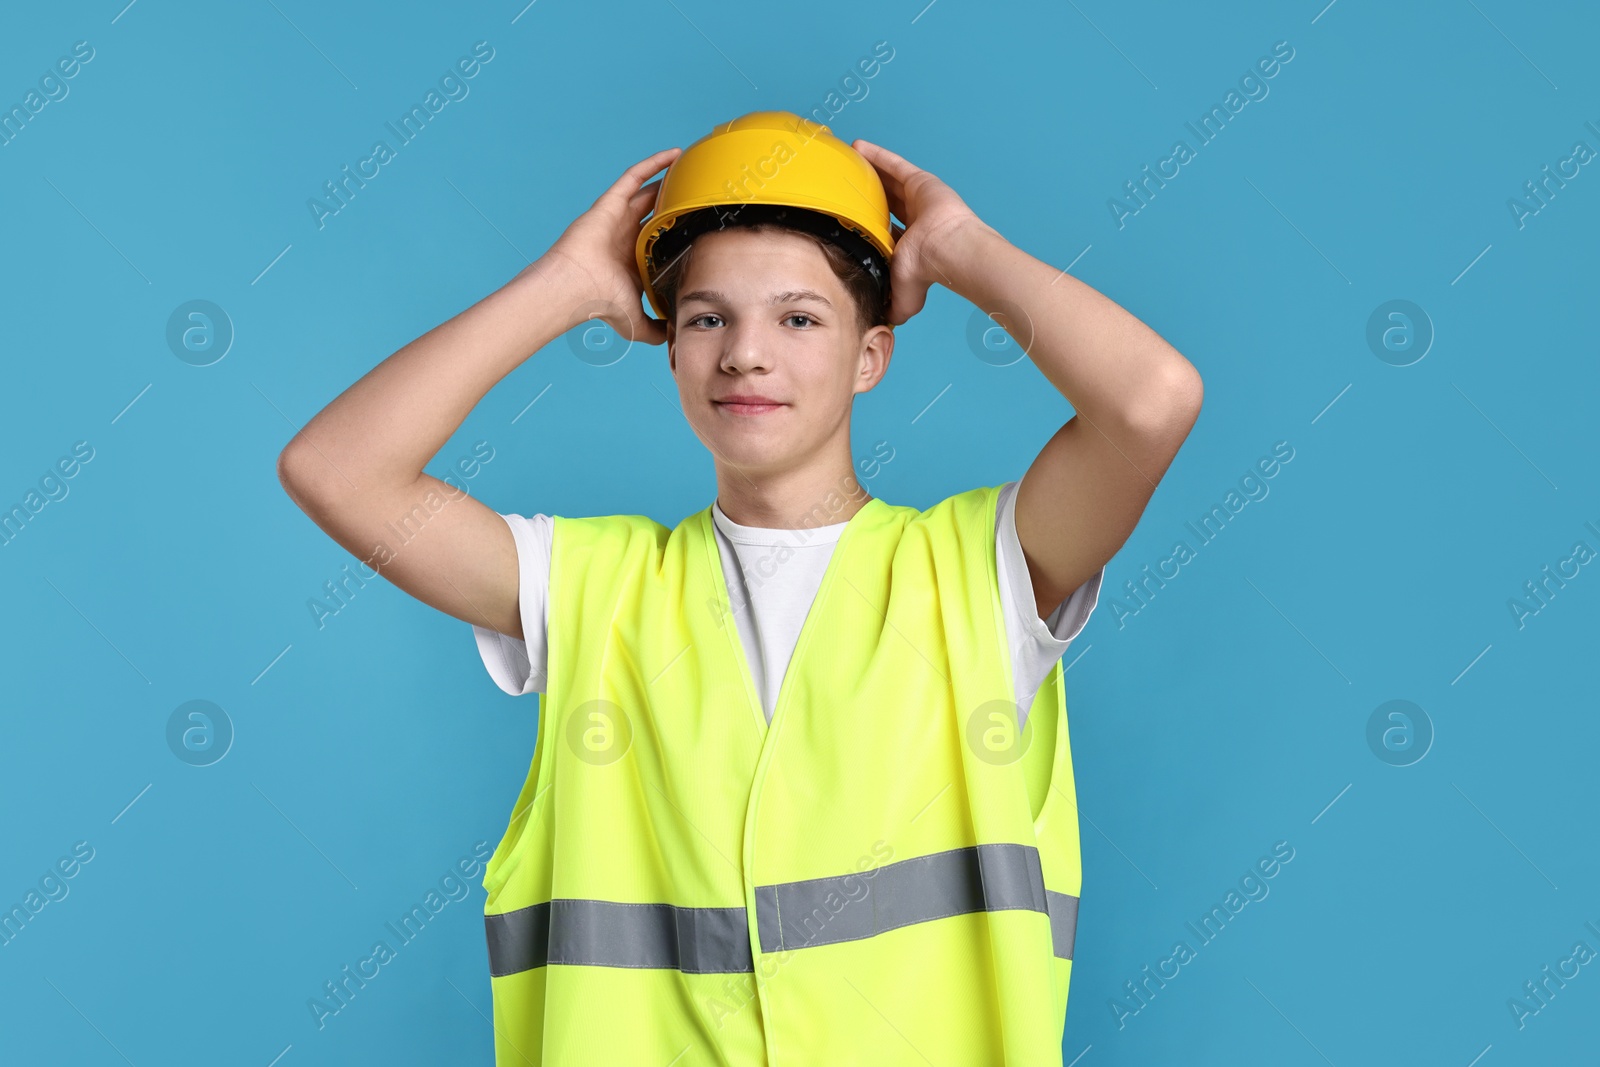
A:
747,404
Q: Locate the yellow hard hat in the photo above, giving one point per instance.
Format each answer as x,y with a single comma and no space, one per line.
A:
768,166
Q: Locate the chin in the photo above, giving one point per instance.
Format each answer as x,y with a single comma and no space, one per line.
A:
754,453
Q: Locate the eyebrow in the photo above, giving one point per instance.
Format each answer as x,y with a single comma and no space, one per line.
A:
788,296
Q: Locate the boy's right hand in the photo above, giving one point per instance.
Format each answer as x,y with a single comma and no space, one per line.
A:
597,253
357,469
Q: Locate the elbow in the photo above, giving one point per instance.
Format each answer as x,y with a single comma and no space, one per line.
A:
1186,391
301,473
1170,408
290,465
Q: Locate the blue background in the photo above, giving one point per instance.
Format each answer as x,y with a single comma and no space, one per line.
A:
1229,712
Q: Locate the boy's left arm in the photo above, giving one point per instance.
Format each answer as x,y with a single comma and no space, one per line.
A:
1135,398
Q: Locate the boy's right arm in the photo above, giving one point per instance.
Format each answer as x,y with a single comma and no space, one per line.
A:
357,467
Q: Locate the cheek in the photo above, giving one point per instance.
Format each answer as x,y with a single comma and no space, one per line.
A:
839,372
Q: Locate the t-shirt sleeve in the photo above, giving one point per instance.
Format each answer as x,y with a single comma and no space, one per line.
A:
519,667
1036,644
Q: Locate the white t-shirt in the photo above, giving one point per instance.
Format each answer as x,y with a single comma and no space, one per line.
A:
770,601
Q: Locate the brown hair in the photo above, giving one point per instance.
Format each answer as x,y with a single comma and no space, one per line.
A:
872,305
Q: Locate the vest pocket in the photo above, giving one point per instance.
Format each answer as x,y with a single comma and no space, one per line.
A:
1045,722
508,853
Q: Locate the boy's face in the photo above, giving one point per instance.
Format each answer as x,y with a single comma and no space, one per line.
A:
761,313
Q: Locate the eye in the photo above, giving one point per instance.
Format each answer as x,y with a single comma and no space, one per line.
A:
707,315
799,315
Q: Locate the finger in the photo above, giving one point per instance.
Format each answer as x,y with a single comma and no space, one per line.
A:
652,163
874,155
635,175
894,187
894,161
897,206
897,167
641,202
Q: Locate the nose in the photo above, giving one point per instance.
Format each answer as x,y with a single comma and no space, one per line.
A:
742,350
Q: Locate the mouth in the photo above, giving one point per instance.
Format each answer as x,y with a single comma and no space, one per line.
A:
748,405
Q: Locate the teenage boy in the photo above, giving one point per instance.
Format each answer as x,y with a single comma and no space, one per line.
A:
802,791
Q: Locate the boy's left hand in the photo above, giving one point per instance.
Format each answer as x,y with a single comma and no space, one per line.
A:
931,211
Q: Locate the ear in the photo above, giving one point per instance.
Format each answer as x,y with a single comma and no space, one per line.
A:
877,347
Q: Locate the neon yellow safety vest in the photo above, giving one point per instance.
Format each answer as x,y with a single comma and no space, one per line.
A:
887,874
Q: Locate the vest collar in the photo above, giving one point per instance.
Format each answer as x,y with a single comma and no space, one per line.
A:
702,527
773,536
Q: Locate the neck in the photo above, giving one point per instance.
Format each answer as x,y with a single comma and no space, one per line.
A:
795,500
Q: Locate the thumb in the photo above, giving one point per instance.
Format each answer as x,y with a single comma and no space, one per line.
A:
644,329
906,302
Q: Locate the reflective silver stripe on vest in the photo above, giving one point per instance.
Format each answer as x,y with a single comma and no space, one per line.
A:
1063,921
604,933
790,915
994,877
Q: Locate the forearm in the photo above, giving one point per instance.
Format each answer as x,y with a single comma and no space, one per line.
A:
1110,366
379,434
